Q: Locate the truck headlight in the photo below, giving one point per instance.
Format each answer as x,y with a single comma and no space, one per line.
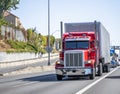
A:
59,62
88,62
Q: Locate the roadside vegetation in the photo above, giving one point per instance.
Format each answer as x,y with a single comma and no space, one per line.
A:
34,42
17,46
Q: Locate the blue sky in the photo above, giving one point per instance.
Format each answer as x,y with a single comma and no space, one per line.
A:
33,13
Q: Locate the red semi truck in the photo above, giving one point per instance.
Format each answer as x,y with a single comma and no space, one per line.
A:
85,50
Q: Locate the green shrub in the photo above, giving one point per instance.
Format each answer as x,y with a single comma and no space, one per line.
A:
17,46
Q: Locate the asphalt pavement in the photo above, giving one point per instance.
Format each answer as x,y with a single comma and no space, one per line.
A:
46,83
109,85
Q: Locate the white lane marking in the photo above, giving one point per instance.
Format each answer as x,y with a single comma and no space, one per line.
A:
89,86
20,85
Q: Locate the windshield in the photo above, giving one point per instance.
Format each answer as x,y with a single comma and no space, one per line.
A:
77,44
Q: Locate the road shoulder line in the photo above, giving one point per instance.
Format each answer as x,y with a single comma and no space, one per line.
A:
89,86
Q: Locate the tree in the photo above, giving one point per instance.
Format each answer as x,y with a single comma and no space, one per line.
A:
29,35
34,39
52,40
2,22
8,5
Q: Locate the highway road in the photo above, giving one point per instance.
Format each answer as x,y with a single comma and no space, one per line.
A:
109,85
46,83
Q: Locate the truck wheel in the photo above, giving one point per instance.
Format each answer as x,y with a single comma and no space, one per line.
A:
92,76
100,69
108,68
59,77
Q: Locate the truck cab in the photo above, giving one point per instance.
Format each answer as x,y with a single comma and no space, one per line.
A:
78,55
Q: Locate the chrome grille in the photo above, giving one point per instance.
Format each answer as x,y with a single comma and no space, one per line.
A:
74,59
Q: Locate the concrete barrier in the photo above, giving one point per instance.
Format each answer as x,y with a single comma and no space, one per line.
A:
24,62
13,57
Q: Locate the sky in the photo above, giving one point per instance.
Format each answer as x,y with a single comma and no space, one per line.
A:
34,13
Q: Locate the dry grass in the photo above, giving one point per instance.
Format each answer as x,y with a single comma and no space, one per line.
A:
4,46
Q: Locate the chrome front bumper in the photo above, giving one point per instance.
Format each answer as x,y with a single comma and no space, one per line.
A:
73,71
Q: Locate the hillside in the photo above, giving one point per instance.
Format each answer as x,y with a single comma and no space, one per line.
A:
4,46
19,46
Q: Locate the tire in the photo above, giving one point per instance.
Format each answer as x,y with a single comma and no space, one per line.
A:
100,69
92,76
108,68
59,77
